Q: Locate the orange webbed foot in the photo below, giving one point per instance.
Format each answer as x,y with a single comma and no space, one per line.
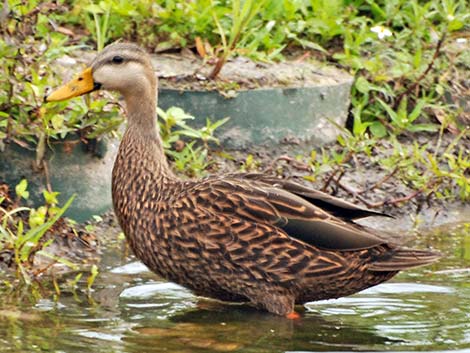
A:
293,316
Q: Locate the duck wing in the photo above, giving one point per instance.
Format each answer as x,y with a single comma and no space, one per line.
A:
242,231
290,213
335,206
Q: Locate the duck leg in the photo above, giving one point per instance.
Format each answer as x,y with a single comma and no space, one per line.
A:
276,303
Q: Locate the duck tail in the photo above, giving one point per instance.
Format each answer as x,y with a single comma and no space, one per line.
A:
402,259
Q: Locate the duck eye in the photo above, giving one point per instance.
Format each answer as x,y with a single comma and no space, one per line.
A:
117,59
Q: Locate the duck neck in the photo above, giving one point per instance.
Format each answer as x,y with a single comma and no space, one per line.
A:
142,146
141,112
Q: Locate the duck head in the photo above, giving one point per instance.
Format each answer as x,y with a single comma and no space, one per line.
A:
121,67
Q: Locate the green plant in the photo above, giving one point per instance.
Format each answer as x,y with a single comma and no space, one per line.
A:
160,24
206,133
189,159
26,240
402,119
92,277
442,175
26,235
241,16
327,18
390,46
249,164
401,68
193,161
172,124
100,13
27,69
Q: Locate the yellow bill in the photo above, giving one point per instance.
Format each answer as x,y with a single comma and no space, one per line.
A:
81,84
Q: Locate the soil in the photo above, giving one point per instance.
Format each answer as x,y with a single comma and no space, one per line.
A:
188,71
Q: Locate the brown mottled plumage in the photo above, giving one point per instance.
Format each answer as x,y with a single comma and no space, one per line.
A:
238,237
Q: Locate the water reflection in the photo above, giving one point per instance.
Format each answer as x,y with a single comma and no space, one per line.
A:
241,328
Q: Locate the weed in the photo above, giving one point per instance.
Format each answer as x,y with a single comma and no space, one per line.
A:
100,14
25,246
191,160
250,164
442,175
27,69
91,278
26,240
395,48
241,16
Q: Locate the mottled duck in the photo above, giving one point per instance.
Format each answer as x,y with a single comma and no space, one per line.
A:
237,237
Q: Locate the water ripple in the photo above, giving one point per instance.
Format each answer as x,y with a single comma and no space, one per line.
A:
131,268
148,290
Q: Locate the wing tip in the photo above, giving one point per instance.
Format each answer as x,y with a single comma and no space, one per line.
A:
403,259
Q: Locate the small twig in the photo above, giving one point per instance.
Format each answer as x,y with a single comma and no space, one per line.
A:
392,202
295,163
340,176
328,181
397,200
429,197
424,74
40,271
404,198
356,196
218,66
380,182
46,174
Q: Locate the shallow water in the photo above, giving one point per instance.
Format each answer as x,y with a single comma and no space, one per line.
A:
131,310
